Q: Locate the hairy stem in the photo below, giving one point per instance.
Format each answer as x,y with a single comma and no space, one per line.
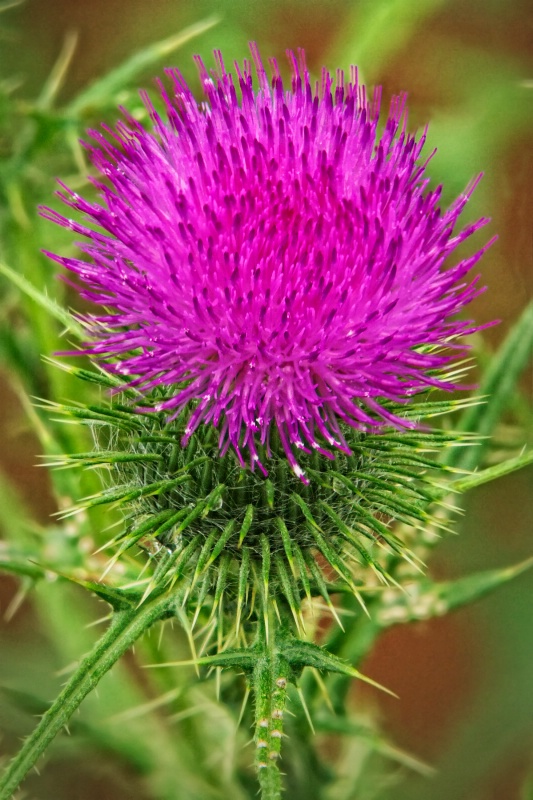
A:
126,627
269,683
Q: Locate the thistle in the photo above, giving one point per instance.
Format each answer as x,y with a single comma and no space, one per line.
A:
275,303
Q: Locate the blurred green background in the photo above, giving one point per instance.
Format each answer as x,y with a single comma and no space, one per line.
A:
465,683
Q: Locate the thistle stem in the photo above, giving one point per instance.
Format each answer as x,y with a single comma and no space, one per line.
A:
126,627
269,682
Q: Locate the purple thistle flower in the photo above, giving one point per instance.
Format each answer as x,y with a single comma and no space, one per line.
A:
271,260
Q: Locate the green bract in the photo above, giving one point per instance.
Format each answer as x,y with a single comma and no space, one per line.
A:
227,532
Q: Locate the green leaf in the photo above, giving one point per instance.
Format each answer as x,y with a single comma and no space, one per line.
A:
125,629
306,654
96,375
21,567
102,93
492,473
241,659
118,599
377,29
41,298
498,386
348,727
425,599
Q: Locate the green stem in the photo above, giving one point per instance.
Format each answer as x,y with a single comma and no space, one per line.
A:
269,682
126,627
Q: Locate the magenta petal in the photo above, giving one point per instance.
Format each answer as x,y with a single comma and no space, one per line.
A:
271,258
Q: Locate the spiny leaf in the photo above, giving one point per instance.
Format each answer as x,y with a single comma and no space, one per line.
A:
118,599
397,507
270,492
425,599
306,654
380,529
213,499
192,515
353,539
145,528
387,486
243,659
401,456
183,618
172,565
308,514
91,414
434,408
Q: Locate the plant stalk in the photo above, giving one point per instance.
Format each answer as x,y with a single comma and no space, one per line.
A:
269,682
125,628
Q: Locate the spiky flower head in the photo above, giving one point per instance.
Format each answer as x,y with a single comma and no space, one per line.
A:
271,262
274,277
273,271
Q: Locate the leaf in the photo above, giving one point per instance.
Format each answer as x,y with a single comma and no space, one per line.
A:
425,599
242,659
96,375
492,473
377,29
301,654
103,92
41,298
21,567
14,515
57,76
118,599
329,724
498,386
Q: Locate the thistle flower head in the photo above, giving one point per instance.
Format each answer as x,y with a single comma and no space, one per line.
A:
270,261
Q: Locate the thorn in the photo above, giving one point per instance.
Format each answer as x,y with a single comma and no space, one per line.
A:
243,706
218,676
305,708
276,609
161,632
323,689
376,685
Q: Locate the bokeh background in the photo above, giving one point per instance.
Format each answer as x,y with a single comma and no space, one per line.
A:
466,682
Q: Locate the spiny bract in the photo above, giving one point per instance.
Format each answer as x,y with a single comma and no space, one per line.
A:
225,531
